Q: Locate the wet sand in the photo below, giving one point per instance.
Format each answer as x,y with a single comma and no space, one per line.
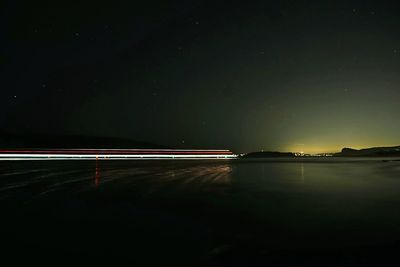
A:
202,213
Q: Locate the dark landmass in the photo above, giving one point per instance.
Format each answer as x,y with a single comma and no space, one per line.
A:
346,152
9,140
268,154
369,152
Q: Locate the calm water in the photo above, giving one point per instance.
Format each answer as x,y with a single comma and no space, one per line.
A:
195,213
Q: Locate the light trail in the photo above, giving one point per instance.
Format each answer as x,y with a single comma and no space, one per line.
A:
104,154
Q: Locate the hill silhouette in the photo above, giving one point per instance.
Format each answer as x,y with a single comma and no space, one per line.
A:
369,152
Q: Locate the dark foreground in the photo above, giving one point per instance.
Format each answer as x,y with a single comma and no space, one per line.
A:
196,213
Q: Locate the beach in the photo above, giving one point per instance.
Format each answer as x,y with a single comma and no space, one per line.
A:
282,212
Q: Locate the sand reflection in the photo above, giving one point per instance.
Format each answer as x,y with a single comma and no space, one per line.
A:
157,177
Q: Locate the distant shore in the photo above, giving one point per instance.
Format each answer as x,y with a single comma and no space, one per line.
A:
346,152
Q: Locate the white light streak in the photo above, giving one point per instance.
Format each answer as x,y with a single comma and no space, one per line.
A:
24,156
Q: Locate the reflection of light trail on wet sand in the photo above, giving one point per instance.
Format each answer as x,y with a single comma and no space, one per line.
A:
159,177
41,179
203,175
97,175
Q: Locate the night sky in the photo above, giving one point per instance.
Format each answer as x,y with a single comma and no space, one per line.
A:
312,76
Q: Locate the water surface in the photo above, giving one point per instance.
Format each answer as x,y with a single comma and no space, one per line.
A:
203,213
